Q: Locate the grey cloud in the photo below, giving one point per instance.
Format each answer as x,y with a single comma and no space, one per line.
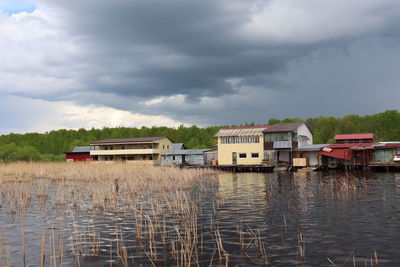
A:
123,53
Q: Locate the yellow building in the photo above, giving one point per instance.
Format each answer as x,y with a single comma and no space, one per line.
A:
142,150
241,145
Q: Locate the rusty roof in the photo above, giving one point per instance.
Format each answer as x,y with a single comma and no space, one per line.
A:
353,146
354,136
283,127
128,140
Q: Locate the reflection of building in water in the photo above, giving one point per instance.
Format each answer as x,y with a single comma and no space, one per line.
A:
243,185
304,186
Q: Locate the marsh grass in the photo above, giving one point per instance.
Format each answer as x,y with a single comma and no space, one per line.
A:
162,205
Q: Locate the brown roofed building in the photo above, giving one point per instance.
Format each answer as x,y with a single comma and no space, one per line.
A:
280,140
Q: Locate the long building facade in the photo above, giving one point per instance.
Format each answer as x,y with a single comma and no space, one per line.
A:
142,150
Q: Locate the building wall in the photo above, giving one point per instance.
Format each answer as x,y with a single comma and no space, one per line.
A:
165,145
225,153
209,156
77,156
189,159
313,157
384,155
303,130
137,152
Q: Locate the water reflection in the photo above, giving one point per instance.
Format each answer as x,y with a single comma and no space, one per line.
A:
261,218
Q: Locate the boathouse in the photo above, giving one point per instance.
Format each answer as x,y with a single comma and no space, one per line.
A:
308,156
141,150
281,139
386,154
180,155
350,150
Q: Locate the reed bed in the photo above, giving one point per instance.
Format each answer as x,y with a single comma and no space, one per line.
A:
131,215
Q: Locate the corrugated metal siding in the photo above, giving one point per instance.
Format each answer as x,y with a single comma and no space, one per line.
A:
189,159
383,156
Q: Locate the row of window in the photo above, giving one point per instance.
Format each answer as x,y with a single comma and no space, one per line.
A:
240,140
137,157
276,137
128,147
244,155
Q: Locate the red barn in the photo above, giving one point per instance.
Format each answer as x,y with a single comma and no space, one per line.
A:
80,153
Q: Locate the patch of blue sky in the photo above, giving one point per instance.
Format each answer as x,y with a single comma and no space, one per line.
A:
17,6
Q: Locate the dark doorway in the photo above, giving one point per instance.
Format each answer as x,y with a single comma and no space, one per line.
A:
234,158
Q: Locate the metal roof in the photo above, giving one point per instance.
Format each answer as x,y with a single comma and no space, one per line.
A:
315,147
186,152
283,127
388,144
241,131
354,136
81,149
353,146
128,140
178,146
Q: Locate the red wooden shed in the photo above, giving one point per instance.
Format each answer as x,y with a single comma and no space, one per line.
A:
79,153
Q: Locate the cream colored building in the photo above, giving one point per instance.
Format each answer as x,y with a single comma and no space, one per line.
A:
142,150
241,145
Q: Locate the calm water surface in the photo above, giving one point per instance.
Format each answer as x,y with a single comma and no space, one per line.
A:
342,222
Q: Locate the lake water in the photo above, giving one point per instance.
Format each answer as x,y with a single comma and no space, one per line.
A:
286,219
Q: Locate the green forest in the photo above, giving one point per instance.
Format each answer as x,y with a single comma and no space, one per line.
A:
51,146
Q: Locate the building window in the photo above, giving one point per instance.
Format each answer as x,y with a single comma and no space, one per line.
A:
242,155
167,146
163,146
240,140
173,157
276,137
151,157
254,155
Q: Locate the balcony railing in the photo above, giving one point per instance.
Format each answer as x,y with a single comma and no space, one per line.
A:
124,152
282,144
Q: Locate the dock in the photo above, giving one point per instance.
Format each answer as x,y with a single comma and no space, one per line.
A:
236,168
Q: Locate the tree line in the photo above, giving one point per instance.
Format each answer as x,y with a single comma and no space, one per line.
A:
51,146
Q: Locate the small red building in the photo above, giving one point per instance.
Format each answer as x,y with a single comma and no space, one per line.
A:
351,149
79,153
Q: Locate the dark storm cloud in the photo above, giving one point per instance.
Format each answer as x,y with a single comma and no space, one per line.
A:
162,48
208,62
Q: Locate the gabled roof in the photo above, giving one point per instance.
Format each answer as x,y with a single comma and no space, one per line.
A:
354,136
241,131
128,140
80,149
178,146
283,127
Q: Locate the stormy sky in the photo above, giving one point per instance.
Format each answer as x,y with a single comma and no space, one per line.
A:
96,63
